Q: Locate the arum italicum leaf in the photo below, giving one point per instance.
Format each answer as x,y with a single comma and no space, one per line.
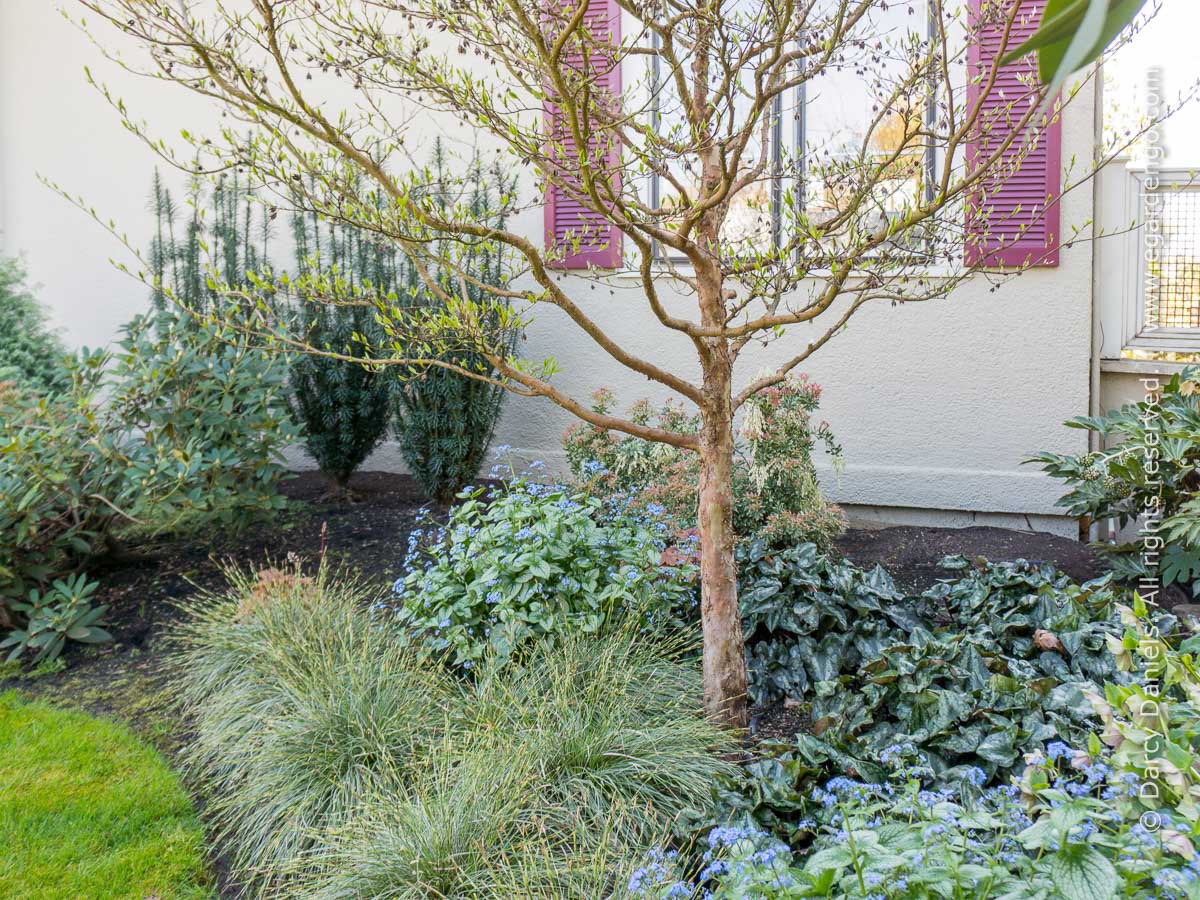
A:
1072,34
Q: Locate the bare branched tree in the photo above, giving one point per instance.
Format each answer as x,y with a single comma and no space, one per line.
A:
688,173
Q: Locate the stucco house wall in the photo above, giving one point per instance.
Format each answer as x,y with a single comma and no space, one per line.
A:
936,404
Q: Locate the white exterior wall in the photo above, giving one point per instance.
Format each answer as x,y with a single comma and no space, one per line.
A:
935,404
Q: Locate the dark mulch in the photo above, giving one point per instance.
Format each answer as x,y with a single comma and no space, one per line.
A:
911,553
780,721
148,592
148,589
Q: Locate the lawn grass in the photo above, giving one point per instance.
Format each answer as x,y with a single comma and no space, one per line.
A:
88,810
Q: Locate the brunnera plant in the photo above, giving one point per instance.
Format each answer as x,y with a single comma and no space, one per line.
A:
530,561
653,121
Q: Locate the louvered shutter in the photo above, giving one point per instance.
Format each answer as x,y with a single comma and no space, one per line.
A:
582,236
1013,218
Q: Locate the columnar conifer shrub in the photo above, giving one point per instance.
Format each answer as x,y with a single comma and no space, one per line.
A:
445,418
31,355
345,407
343,276
222,241
218,237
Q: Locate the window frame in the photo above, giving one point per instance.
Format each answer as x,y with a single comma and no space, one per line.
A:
1135,333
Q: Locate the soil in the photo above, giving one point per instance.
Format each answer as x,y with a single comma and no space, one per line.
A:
149,591
911,554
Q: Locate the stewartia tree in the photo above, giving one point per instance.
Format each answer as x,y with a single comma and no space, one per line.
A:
654,132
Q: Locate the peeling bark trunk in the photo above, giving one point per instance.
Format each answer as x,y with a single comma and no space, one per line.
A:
724,659
724,651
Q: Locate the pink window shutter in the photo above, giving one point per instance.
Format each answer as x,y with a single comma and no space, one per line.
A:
1013,216
578,235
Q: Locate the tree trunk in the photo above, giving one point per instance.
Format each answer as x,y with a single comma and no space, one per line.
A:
724,651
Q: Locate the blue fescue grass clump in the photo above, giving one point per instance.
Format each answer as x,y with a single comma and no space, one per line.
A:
339,759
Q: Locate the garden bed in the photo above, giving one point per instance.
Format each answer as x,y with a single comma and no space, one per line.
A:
148,589
911,553
144,590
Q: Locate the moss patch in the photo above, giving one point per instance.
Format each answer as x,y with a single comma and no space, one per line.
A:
88,810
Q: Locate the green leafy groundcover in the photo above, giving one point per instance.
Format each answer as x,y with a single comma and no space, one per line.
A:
530,560
995,659
1113,816
994,736
88,810
1068,829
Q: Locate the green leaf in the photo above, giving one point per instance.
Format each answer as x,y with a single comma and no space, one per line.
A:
830,858
1082,872
91,635
1052,69
1180,565
823,883
900,836
998,748
1060,19
1072,34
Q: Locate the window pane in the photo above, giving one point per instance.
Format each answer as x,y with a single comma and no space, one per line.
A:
749,225
864,118
859,121
1173,270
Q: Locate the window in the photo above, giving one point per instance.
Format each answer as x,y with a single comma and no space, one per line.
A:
826,137
1173,272
1148,253
1149,278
